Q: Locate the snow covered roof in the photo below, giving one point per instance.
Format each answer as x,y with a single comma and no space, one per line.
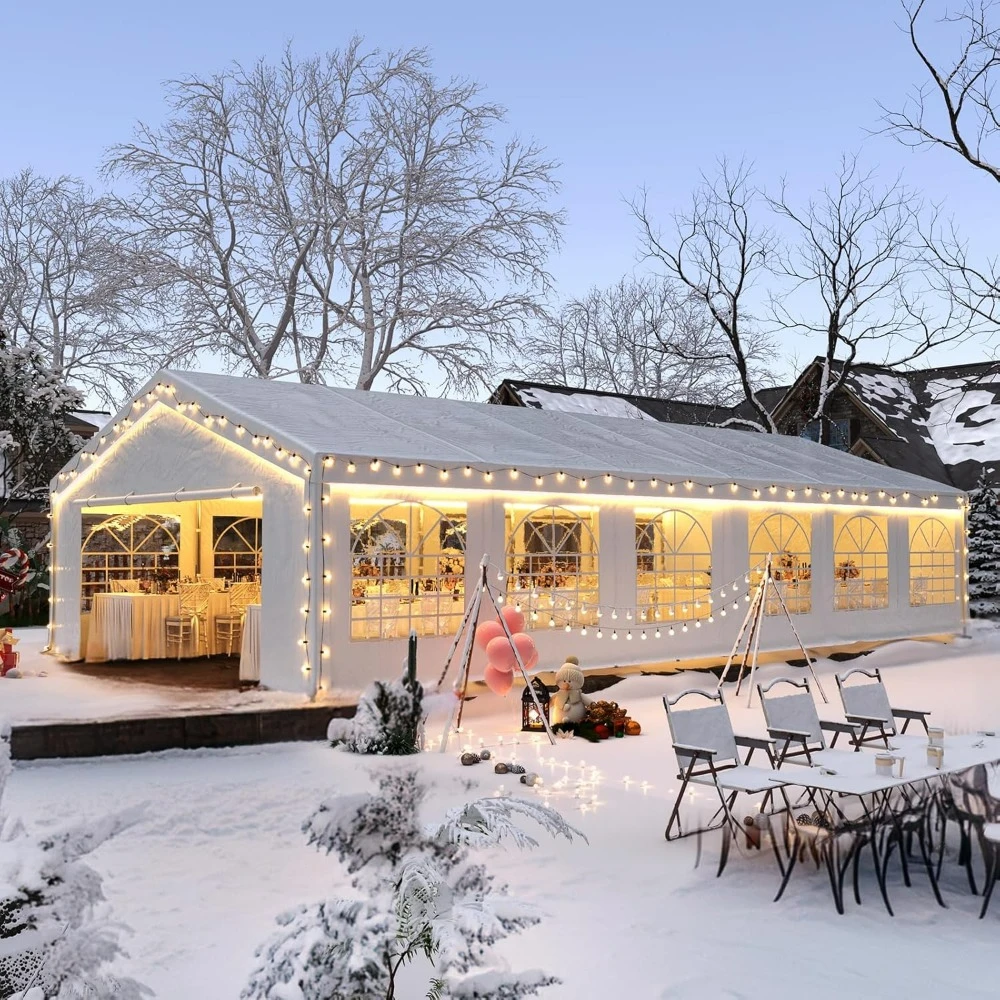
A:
945,422
567,399
92,418
317,420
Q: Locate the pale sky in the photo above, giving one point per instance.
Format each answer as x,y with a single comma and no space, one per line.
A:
623,94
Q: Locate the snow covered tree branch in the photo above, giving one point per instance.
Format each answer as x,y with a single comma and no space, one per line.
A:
858,277
646,336
348,215
34,438
75,286
56,940
424,909
718,251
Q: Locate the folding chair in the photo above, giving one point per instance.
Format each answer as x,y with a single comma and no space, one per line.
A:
866,704
707,754
792,720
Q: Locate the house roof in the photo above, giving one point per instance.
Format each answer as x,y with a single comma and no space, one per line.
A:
942,423
318,420
566,399
89,420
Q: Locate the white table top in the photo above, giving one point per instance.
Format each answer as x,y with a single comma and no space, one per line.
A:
856,771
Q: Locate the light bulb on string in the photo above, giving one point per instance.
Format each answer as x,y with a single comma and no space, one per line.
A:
628,635
657,634
614,635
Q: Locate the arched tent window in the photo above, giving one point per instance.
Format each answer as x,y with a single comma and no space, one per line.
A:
552,565
932,562
142,547
788,539
673,563
236,547
860,562
408,570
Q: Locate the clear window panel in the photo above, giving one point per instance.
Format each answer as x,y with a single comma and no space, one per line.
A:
787,538
673,565
860,562
138,550
933,562
407,570
552,555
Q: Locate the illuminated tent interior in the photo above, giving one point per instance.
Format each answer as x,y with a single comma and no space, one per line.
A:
366,515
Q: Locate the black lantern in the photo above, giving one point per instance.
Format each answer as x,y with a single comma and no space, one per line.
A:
531,721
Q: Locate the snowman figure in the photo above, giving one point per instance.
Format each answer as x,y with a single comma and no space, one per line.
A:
567,705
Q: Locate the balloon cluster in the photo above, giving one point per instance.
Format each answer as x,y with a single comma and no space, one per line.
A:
501,657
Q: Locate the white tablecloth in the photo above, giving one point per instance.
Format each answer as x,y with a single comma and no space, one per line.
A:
133,626
250,650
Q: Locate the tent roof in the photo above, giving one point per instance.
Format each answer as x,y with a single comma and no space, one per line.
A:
318,420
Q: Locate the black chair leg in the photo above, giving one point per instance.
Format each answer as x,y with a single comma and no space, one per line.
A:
991,881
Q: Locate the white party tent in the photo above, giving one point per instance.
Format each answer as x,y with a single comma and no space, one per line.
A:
366,515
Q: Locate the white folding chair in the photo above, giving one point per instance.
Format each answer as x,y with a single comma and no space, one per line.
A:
229,627
707,754
189,623
866,704
793,722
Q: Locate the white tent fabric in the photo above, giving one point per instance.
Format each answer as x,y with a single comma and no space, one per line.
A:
201,432
362,425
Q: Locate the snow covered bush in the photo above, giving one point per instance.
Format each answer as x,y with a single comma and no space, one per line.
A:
389,719
420,898
55,943
984,549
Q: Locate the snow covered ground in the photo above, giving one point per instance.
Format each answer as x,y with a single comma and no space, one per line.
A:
50,691
221,852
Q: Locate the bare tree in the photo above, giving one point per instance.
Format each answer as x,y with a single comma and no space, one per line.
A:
957,110
73,285
346,216
646,336
857,277
717,251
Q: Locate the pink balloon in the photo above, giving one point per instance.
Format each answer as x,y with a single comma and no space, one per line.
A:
499,681
486,632
513,618
501,653
526,647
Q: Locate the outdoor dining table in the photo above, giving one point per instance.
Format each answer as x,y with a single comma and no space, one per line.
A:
840,774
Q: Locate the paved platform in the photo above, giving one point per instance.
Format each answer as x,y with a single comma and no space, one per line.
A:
181,731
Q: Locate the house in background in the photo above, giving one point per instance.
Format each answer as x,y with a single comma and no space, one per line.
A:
940,423
29,515
565,399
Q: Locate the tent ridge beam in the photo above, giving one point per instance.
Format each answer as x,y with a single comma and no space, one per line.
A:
234,492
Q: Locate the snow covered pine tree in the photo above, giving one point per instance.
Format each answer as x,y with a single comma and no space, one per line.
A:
390,717
53,944
419,899
984,549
